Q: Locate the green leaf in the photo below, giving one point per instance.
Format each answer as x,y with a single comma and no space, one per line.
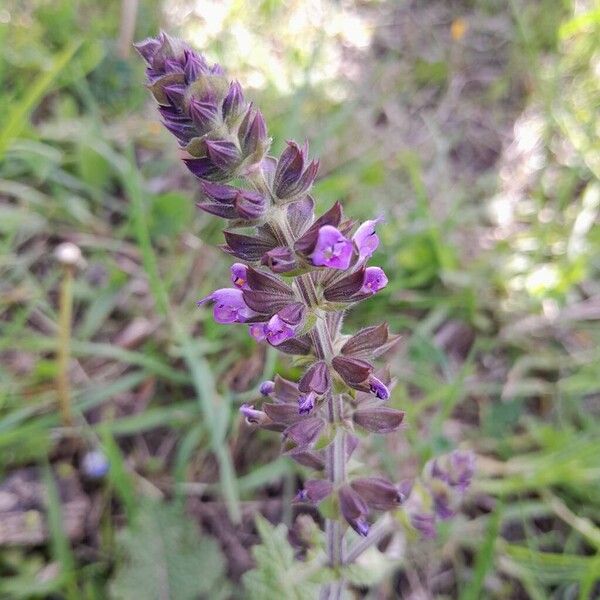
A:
277,574
164,557
170,214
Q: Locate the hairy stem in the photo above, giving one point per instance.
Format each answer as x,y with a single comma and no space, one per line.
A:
324,343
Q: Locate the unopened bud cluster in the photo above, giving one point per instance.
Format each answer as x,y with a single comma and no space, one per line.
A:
295,275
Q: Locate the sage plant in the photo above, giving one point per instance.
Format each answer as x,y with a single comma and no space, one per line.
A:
295,276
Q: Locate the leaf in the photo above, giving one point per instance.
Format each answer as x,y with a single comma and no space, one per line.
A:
277,573
165,558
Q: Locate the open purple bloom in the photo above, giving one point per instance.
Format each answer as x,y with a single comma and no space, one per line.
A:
229,306
277,330
239,276
332,249
366,239
374,280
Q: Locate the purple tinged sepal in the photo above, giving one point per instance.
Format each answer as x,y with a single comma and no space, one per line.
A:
367,341
354,371
305,432
232,203
378,419
378,492
233,103
223,154
229,306
314,491
204,115
316,379
354,509
332,249
307,458
424,523
293,177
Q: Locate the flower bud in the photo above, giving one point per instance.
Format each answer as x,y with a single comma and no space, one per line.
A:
307,458
314,491
233,102
354,371
346,288
293,177
247,247
280,260
232,203
305,432
378,492
354,509
379,419
266,387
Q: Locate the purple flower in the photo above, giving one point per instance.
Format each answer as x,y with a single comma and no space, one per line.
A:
267,387
374,280
277,330
257,331
366,239
252,415
95,465
293,176
424,523
332,249
229,306
306,402
239,276
379,388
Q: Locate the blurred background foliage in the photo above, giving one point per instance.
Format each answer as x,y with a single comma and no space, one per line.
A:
472,126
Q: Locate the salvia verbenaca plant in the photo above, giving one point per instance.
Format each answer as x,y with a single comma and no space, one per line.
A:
296,276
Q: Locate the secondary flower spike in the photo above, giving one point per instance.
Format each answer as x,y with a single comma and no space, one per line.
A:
296,274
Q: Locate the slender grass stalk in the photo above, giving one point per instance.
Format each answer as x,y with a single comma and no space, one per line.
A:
69,256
